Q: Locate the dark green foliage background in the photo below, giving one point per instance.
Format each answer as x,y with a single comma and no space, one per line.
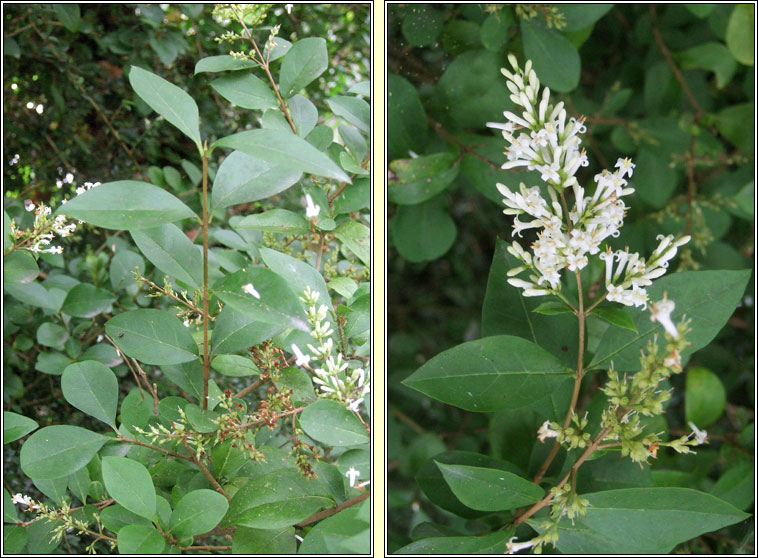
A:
444,84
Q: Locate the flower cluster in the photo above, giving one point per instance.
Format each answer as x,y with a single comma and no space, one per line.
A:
43,231
542,139
334,378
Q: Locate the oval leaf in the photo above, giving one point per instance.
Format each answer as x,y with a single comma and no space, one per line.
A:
276,500
198,512
87,301
242,178
704,397
285,148
152,336
58,451
20,267
92,388
555,59
329,422
129,483
125,205
140,539
490,374
171,102
246,91
275,304
489,489
306,60
16,426
169,249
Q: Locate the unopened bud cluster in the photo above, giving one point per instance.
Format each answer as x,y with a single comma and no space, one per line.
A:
334,378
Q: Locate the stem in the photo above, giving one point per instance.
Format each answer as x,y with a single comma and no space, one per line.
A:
580,314
206,359
318,516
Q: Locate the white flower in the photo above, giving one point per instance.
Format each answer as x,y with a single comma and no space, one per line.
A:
546,432
29,205
80,190
249,289
625,166
661,312
301,359
288,7
56,250
23,500
355,405
311,210
700,435
352,474
514,547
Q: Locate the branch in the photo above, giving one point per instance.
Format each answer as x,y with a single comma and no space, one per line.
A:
318,516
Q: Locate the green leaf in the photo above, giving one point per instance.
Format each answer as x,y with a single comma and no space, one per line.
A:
354,141
16,426
489,489
126,205
655,520
552,309
435,487
152,336
489,374
59,451
329,422
7,235
304,114
616,316
737,485
246,91
92,388
276,304
299,382
52,362
197,512
556,61
171,251
423,231
281,221
200,420
129,483
306,60
704,397
235,365
275,500
332,535
361,88
264,541
473,75
234,331
242,178
735,123
140,539
32,294
494,543
708,298
14,539
711,56
285,148
357,237
740,34
9,508
168,100
420,179
78,484
68,15
122,268
87,301
700,10
494,31
222,63
227,459
355,111
20,267
745,199
406,120
581,16
52,335
422,25
297,273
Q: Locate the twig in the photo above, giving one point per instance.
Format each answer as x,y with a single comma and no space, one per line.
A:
318,516
206,472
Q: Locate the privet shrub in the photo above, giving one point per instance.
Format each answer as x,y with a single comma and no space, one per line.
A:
561,420
218,343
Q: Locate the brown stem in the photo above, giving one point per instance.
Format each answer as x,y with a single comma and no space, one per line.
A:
460,145
156,448
255,385
206,472
318,516
577,381
129,364
206,357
